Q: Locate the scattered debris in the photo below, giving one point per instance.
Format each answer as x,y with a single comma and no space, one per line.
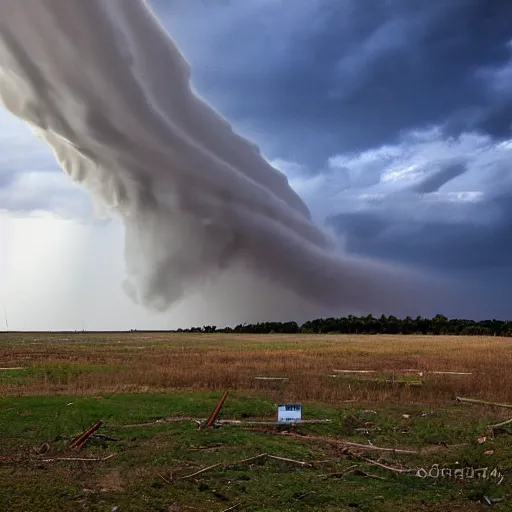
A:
216,411
451,373
338,442
494,429
356,371
406,416
236,505
489,452
42,449
261,456
271,378
304,494
163,478
202,421
481,402
100,459
492,501
82,440
389,468
481,439
363,473
369,411
338,474
13,368
408,370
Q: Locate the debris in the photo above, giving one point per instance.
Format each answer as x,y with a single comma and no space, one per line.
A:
233,507
13,368
116,509
491,429
42,449
492,501
215,413
291,461
81,441
363,473
406,416
369,411
201,421
304,494
481,439
489,452
100,459
333,441
163,478
355,371
389,468
271,378
261,456
213,466
481,402
451,373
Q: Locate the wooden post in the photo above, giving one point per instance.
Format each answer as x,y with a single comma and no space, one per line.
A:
215,413
80,441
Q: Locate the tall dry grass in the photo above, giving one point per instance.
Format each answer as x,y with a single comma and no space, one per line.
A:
88,364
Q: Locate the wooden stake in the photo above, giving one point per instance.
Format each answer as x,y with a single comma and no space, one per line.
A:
81,440
215,413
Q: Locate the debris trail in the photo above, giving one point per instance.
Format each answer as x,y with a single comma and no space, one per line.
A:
103,84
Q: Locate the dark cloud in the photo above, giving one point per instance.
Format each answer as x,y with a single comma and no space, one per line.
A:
347,75
440,177
450,246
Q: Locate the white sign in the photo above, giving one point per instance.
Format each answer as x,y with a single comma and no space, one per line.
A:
289,413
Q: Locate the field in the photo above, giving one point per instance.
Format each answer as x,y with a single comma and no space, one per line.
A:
377,391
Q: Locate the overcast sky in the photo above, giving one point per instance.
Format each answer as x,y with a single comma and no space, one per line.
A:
391,118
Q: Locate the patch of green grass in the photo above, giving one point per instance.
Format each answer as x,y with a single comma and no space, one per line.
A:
147,456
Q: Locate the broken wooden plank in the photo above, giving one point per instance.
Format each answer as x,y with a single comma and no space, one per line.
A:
389,468
356,371
451,373
481,402
271,378
341,442
83,438
84,459
407,370
491,429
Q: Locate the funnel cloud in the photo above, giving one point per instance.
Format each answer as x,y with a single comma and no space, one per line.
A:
104,85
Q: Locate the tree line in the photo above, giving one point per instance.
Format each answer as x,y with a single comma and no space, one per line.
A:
371,325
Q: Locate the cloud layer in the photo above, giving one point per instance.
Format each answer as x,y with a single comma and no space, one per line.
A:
195,198
391,120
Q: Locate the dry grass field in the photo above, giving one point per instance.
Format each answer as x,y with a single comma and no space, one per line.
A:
87,364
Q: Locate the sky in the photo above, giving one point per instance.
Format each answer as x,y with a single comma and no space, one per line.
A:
391,118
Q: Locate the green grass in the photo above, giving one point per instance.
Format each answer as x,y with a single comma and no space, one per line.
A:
145,456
